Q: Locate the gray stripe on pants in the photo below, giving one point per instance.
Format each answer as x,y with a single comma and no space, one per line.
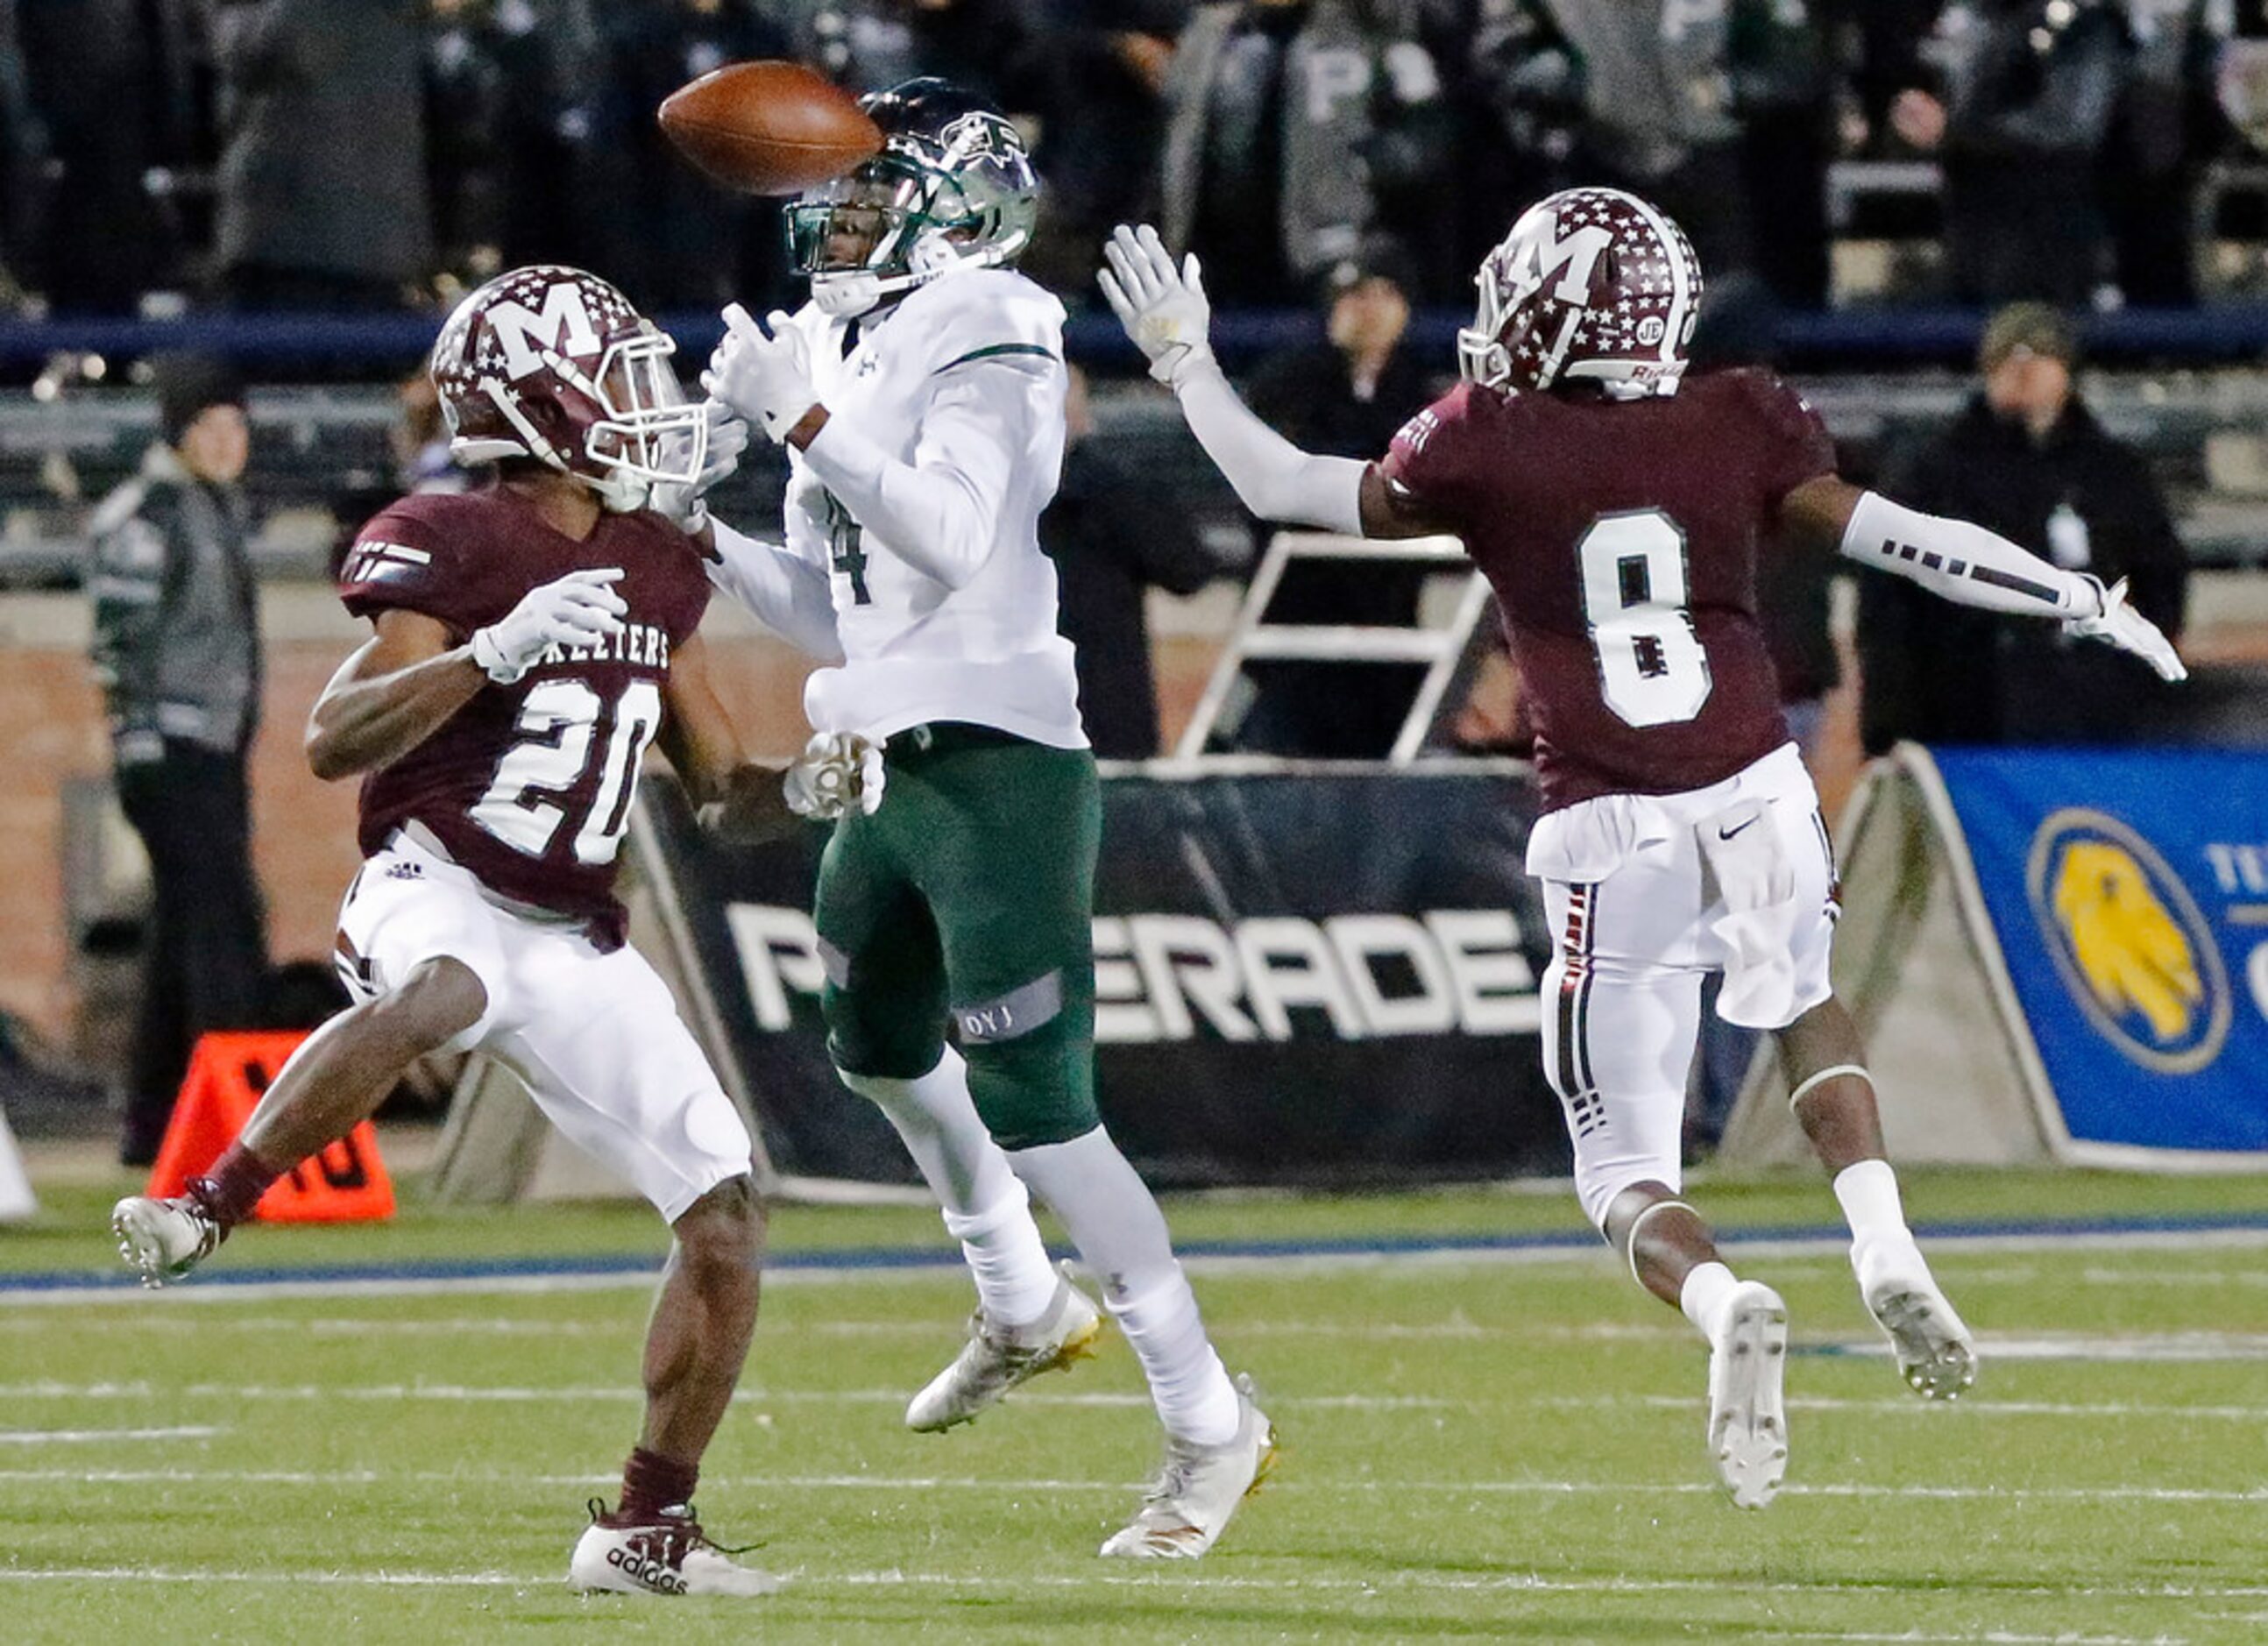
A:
1018,1012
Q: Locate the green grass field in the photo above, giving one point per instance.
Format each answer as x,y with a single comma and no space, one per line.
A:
1486,1447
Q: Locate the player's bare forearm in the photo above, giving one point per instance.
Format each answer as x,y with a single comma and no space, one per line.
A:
400,689
697,736
736,798
1816,515
753,808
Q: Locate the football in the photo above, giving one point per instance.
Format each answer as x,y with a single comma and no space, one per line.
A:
768,128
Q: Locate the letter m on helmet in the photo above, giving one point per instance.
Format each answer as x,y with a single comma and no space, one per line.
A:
1574,259
562,326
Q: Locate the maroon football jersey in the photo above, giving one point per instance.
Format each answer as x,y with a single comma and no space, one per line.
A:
528,785
1621,538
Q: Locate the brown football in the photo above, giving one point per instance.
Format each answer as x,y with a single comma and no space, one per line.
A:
769,128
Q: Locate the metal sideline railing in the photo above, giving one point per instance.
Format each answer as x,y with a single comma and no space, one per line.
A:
2211,334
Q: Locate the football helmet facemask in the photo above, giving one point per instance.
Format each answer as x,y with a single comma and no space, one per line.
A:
555,364
952,187
1592,284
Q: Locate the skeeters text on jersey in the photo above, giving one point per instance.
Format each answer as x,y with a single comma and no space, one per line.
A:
529,785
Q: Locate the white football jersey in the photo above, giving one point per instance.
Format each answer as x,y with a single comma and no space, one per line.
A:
945,613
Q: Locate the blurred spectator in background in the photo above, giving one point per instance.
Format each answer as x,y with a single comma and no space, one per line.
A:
1093,76
1347,392
869,44
2027,459
96,77
1658,89
1113,537
420,440
2024,127
2168,122
678,239
1783,93
322,200
1518,89
26,177
1288,121
1344,398
177,650
467,139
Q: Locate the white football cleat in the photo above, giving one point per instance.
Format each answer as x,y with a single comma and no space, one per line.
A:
1187,1508
1747,1419
163,1240
1936,1353
997,1359
667,1556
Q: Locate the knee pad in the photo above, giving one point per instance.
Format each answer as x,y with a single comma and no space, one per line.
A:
1031,1062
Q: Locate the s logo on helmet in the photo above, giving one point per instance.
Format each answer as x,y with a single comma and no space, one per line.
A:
2128,941
979,135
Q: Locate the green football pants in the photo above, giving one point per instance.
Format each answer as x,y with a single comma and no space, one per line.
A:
969,897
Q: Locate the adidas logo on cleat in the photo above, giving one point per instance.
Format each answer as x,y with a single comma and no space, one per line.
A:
655,1575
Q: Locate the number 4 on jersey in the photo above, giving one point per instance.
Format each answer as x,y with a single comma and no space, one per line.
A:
844,537
1652,670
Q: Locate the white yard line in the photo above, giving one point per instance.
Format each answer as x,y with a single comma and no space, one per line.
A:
1296,1484
66,1437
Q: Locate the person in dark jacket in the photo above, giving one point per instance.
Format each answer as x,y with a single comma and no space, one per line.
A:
2024,127
1113,538
177,652
1346,396
321,184
2026,459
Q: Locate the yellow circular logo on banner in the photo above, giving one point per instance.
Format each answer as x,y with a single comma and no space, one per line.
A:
2131,943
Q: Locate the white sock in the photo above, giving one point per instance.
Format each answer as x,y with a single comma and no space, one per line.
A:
1195,1401
1114,1221
1015,1282
1702,1298
1868,1195
986,1206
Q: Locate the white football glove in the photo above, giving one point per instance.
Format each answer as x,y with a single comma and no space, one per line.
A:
1162,307
765,379
685,505
836,772
577,610
2119,625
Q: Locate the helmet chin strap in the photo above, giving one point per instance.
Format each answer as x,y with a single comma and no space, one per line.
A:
853,292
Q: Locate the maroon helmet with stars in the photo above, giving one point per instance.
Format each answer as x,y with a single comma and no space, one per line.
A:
1591,284
554,364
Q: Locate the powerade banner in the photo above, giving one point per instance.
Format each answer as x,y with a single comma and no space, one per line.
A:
2130,895
1310,978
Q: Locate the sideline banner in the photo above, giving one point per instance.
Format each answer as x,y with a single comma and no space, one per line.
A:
1318,975
2129,895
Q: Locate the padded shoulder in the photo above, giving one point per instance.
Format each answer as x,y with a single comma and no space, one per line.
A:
984,313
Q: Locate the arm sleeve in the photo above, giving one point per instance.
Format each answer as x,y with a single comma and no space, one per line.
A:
1963,563
941,512
1272,477
787,593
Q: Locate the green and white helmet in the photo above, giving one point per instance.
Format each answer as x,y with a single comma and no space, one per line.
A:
952,187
